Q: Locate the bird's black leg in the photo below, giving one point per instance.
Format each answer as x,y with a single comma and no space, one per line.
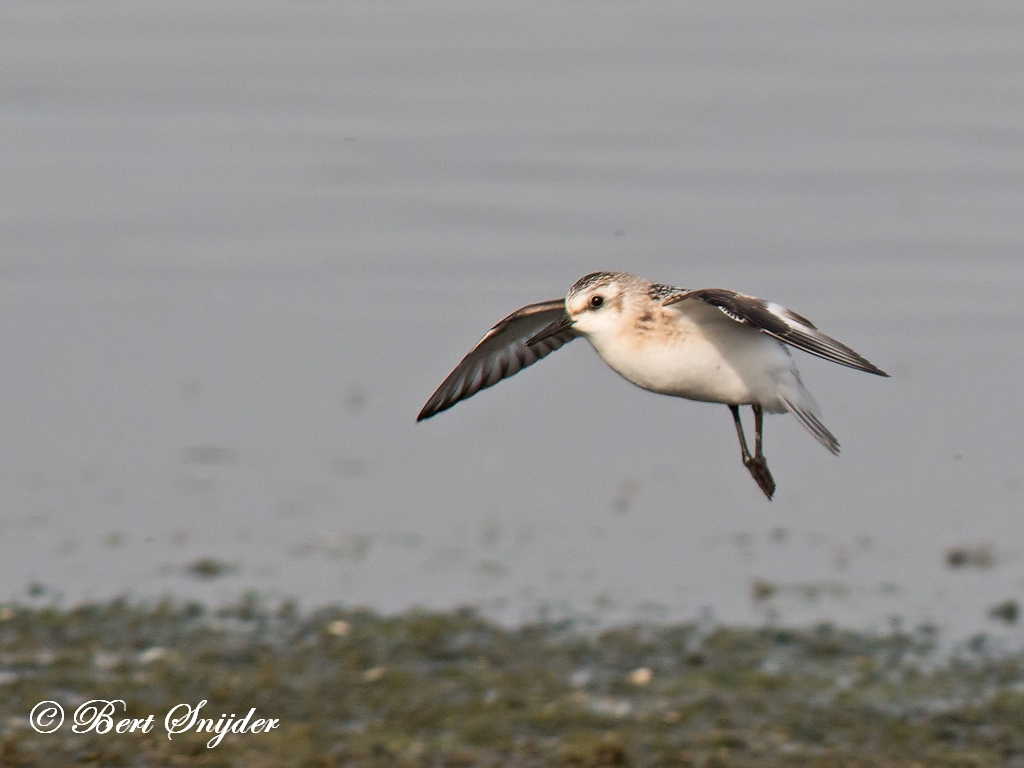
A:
756,464
739,432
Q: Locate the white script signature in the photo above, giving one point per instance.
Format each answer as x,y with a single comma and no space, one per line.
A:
100,716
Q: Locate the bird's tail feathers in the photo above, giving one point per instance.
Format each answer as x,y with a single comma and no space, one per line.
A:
803,406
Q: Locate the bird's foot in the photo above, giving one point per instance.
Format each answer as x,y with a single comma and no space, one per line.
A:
758,467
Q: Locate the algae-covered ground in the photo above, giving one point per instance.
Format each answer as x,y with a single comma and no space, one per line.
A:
452,689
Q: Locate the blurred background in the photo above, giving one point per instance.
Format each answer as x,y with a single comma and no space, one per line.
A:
242,243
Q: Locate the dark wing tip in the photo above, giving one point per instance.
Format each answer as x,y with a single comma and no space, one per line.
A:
834,351
440,401
877,371
846,356
453,389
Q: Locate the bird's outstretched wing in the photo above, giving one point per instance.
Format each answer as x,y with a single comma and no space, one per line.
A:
502,352
779,322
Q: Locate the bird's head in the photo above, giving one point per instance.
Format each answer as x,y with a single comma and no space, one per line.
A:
595,304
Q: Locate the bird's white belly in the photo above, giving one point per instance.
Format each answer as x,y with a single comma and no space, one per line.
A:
717,362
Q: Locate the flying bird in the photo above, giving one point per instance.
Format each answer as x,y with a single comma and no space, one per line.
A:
712,345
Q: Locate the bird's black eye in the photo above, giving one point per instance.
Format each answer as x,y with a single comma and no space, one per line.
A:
596,302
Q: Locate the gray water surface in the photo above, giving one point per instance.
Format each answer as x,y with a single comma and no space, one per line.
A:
244,241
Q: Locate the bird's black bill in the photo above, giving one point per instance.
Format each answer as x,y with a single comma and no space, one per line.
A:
564,324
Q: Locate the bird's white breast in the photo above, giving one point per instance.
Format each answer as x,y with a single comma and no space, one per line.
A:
695,352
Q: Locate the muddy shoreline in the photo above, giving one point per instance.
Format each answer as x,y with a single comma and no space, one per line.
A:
352,687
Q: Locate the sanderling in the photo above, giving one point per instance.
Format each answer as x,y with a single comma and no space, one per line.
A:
711,345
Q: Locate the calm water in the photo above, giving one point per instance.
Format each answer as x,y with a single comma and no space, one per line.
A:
244,241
